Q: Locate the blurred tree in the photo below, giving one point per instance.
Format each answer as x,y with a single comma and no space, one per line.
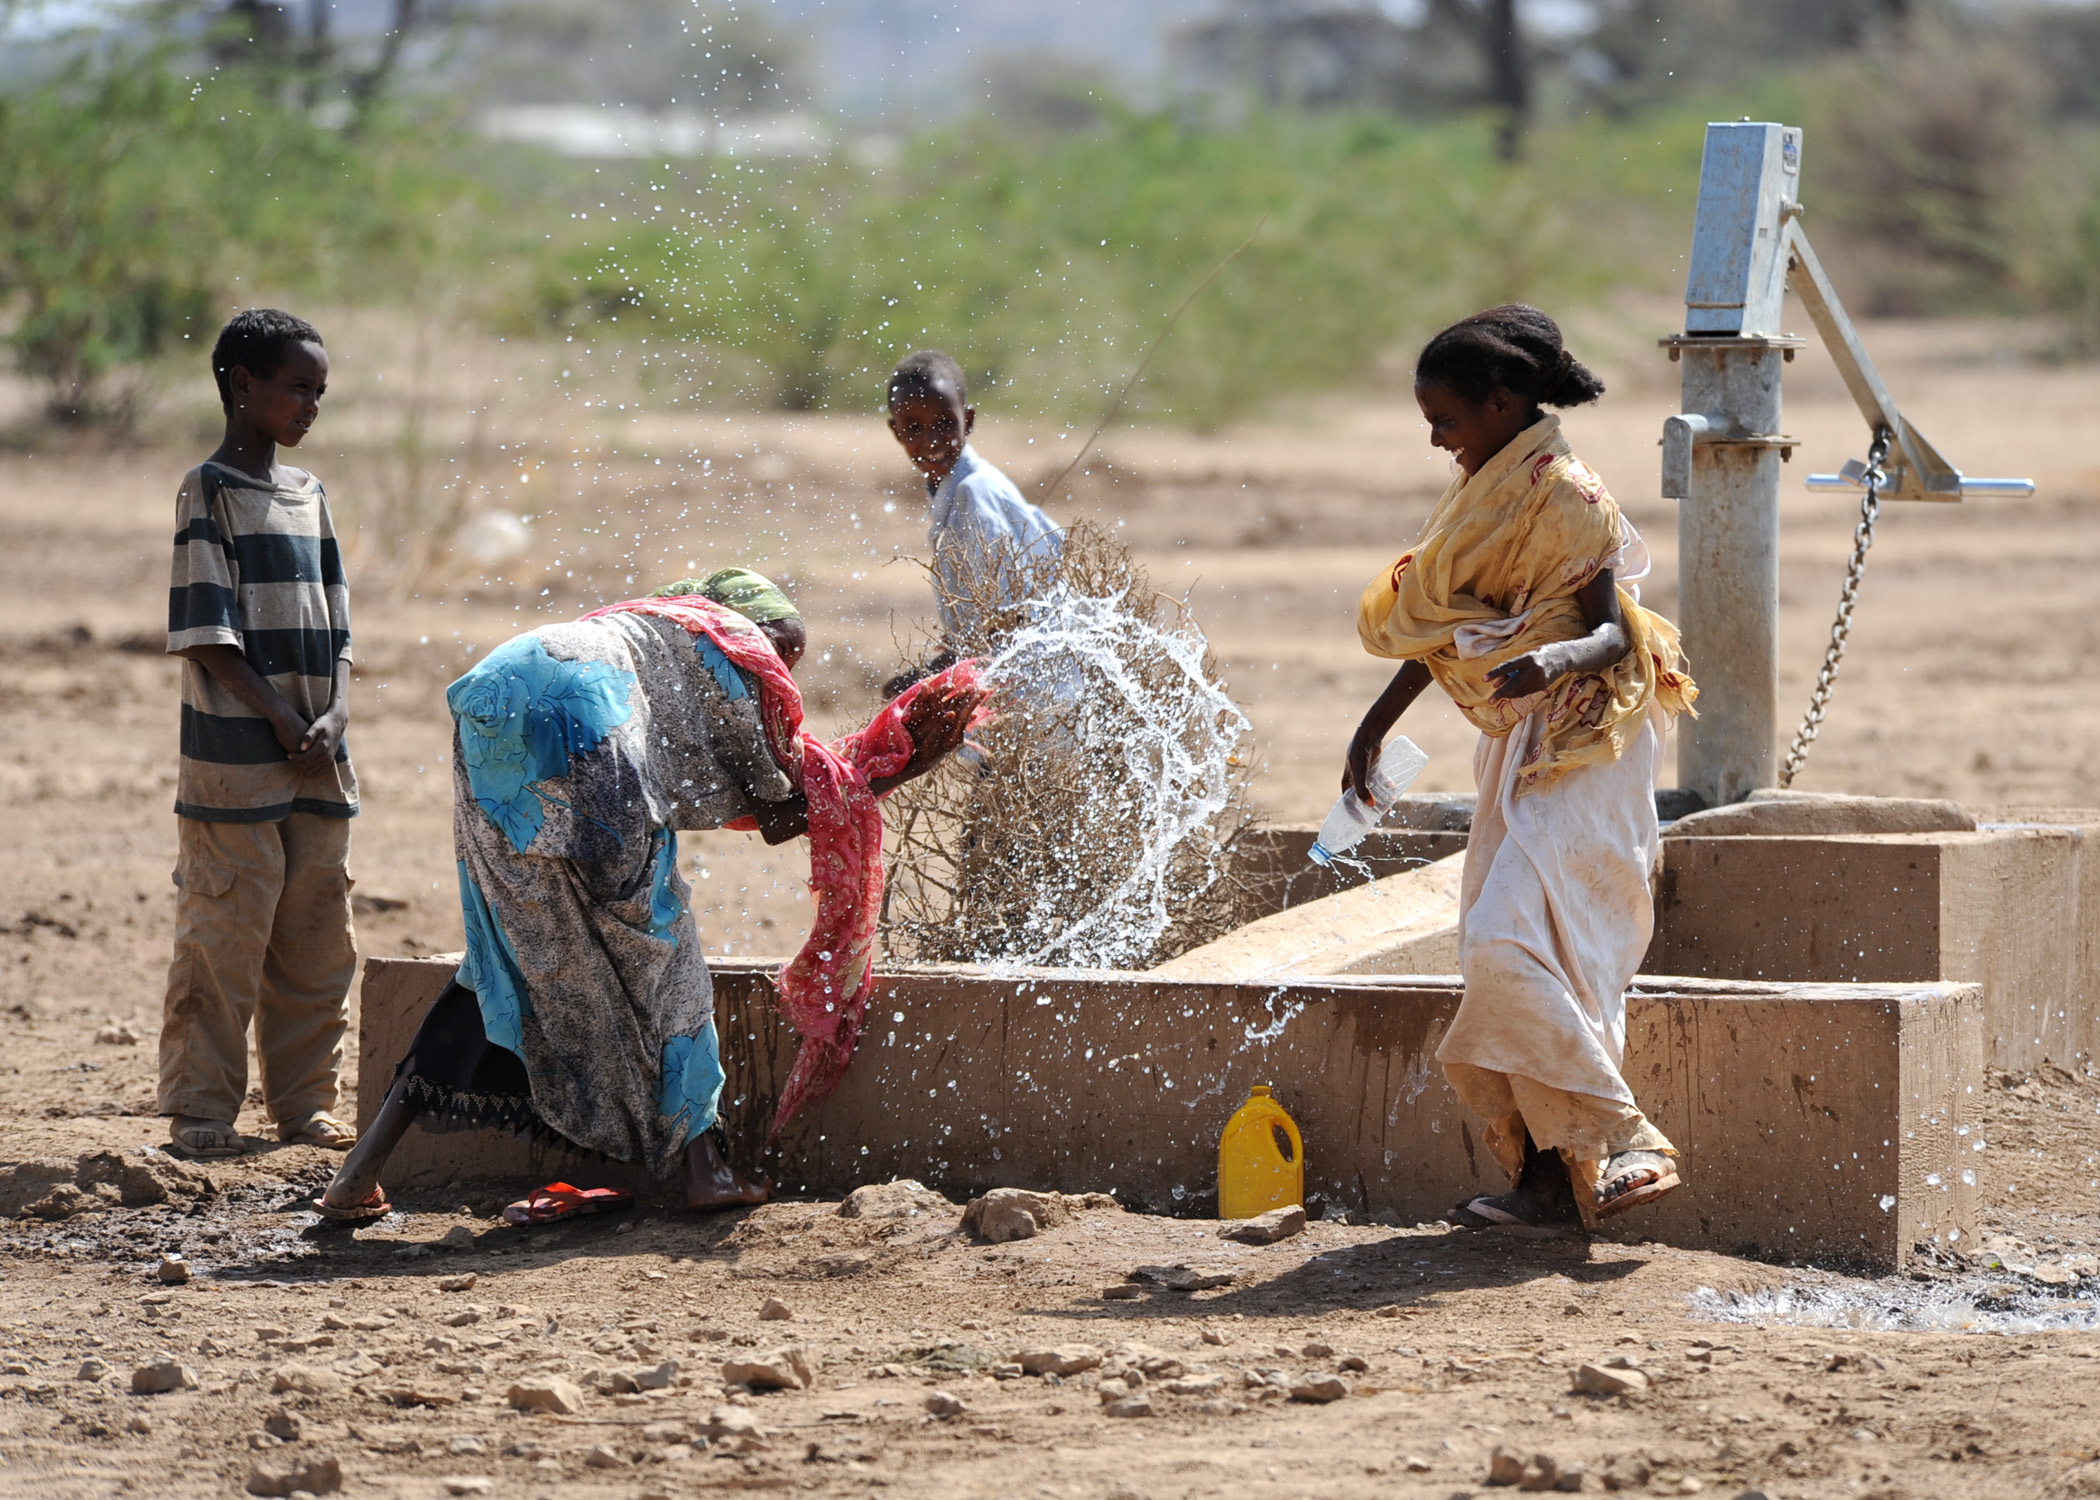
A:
1639,50
1300,54
342,78
109,202
139,188
1492,27
649,54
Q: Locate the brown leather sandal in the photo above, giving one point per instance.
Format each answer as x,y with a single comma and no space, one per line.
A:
1632,1178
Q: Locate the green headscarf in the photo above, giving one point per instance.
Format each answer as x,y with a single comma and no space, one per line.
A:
752,595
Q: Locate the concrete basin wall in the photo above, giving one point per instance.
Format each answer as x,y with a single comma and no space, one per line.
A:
2012,907
1817,1121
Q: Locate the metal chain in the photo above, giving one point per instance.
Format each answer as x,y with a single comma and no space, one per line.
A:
1841,628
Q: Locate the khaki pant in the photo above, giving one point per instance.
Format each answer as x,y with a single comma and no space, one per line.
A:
262,932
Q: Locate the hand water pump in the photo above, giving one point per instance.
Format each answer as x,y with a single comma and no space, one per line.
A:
1721,456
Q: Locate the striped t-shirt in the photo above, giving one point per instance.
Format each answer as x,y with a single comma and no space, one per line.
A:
256,568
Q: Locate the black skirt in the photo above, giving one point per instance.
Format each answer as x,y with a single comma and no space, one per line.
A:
457,1079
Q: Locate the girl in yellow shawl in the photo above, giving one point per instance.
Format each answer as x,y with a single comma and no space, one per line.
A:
1519,600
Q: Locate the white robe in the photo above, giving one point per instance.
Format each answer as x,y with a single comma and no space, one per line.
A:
1556,908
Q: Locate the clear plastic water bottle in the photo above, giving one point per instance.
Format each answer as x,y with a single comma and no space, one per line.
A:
1392,773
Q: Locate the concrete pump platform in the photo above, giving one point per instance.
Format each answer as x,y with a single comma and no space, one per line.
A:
2013,906
1817,1121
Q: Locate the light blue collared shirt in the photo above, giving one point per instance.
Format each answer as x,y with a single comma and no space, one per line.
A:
980,522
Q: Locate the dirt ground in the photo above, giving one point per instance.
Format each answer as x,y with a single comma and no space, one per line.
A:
1970,676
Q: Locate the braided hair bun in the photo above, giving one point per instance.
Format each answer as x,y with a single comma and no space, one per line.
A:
1513,348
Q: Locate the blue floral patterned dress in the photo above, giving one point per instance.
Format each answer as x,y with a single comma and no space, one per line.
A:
582,750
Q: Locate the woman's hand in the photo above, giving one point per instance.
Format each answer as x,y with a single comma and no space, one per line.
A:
1378,722
1533,672
937,719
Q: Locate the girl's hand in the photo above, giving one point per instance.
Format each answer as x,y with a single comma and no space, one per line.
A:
1529,674
1364,748
1378,722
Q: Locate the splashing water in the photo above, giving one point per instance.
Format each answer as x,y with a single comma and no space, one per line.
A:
1091,825
1963,1304
1097,678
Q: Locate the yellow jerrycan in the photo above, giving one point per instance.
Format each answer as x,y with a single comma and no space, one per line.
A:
1261,1159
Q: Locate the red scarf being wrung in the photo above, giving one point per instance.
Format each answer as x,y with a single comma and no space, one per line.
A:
824,988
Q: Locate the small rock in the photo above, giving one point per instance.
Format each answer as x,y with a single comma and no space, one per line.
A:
164,1373
1266,1229
733,1424
1504,1467
284,1425
91,1368
1390,1310
1183,1278
464,1282
458,1237
174,1269
655,1378
1195,1385
466,1445
140,1424
1319,1388
603,1457
1601,1380
1316,1350
1415,1465
773,1310
901,1199
1006,1214
118,1034
317,1476
1355,1362
546,1393
1212,1336
1060,1359
941,1404
1122,1291
782,1370
1136,1404
466,1317
468,1484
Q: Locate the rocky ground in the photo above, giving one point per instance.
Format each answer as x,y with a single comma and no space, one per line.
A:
187,1329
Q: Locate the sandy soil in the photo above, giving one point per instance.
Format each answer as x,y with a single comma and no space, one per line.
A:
1969,677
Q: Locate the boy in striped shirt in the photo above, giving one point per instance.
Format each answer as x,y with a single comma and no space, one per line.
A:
259,612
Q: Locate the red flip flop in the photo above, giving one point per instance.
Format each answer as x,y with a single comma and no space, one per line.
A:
558,1200
374,1207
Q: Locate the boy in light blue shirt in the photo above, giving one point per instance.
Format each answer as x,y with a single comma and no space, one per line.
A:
980,522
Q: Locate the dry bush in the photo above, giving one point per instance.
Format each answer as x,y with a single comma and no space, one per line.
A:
1927,155
1097,829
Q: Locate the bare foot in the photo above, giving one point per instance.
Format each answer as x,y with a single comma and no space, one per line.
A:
711,1183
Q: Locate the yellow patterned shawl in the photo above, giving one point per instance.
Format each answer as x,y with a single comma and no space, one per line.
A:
1494,575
